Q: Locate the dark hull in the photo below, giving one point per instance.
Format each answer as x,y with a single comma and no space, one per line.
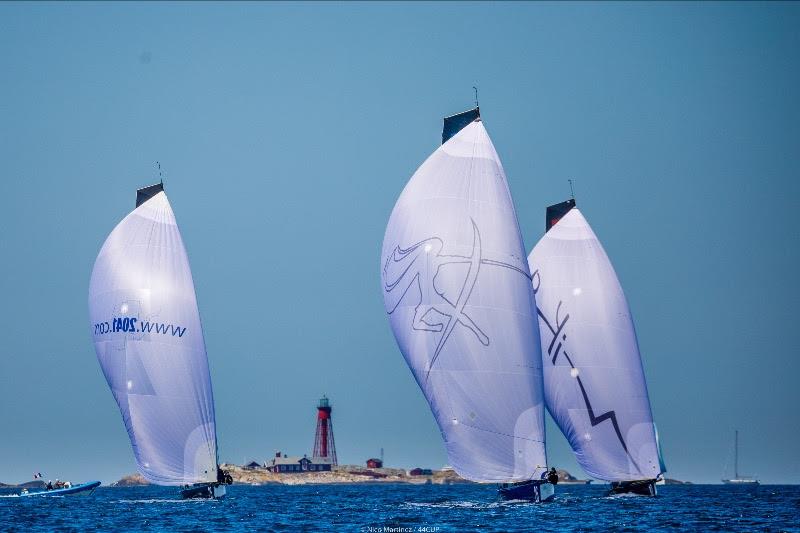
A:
204,491
644,487
534,491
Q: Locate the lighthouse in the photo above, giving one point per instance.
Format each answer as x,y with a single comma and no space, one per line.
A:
324,447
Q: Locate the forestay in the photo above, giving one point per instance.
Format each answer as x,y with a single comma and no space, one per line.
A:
594,382
457,291
149,342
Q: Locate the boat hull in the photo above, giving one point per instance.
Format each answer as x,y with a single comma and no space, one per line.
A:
204,491
534,491
740,481
643,487
82,489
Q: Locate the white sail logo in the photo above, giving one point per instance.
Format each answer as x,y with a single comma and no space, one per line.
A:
420,270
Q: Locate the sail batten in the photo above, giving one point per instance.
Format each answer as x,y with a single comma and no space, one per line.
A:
593,377
149,342
457,292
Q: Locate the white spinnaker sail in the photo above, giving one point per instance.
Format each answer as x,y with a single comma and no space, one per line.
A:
149,342
457,290
594,382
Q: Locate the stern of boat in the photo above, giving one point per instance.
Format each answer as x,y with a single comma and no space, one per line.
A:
204,491
644,487
534,491
546,492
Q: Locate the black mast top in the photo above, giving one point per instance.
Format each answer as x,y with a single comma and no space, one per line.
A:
145,193
455,123
556,212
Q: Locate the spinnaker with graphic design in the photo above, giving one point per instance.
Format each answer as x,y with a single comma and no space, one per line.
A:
594,382
149,342
457,292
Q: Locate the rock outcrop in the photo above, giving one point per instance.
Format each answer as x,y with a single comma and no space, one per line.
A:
670,481
340,474
134,480
36,484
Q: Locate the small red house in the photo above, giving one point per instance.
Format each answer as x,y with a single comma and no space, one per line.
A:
374,463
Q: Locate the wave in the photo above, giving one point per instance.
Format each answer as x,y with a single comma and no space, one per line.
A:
165,500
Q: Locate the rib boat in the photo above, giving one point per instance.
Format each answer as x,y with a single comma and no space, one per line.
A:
81,489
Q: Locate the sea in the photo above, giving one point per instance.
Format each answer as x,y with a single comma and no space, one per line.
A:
389,508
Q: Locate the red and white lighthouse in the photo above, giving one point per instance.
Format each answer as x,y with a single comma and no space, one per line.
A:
324,447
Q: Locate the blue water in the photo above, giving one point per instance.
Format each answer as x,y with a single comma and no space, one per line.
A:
413,509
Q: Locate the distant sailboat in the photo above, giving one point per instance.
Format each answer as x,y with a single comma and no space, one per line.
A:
738,479
593,378
457,291
149,342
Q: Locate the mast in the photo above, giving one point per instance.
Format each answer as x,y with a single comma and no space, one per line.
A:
736,455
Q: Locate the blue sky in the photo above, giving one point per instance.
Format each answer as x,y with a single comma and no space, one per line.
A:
287,131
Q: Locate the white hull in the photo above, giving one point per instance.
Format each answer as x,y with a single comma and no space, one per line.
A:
740,481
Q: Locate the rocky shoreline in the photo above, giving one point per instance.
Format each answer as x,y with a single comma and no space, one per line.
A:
670,481
339,474
37,484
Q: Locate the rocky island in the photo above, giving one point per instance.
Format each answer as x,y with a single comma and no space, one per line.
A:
247,475
339,474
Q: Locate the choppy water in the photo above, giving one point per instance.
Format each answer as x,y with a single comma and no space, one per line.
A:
408,509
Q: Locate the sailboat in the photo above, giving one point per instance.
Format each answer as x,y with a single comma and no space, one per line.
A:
594,383
457,292
738,479
149,342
